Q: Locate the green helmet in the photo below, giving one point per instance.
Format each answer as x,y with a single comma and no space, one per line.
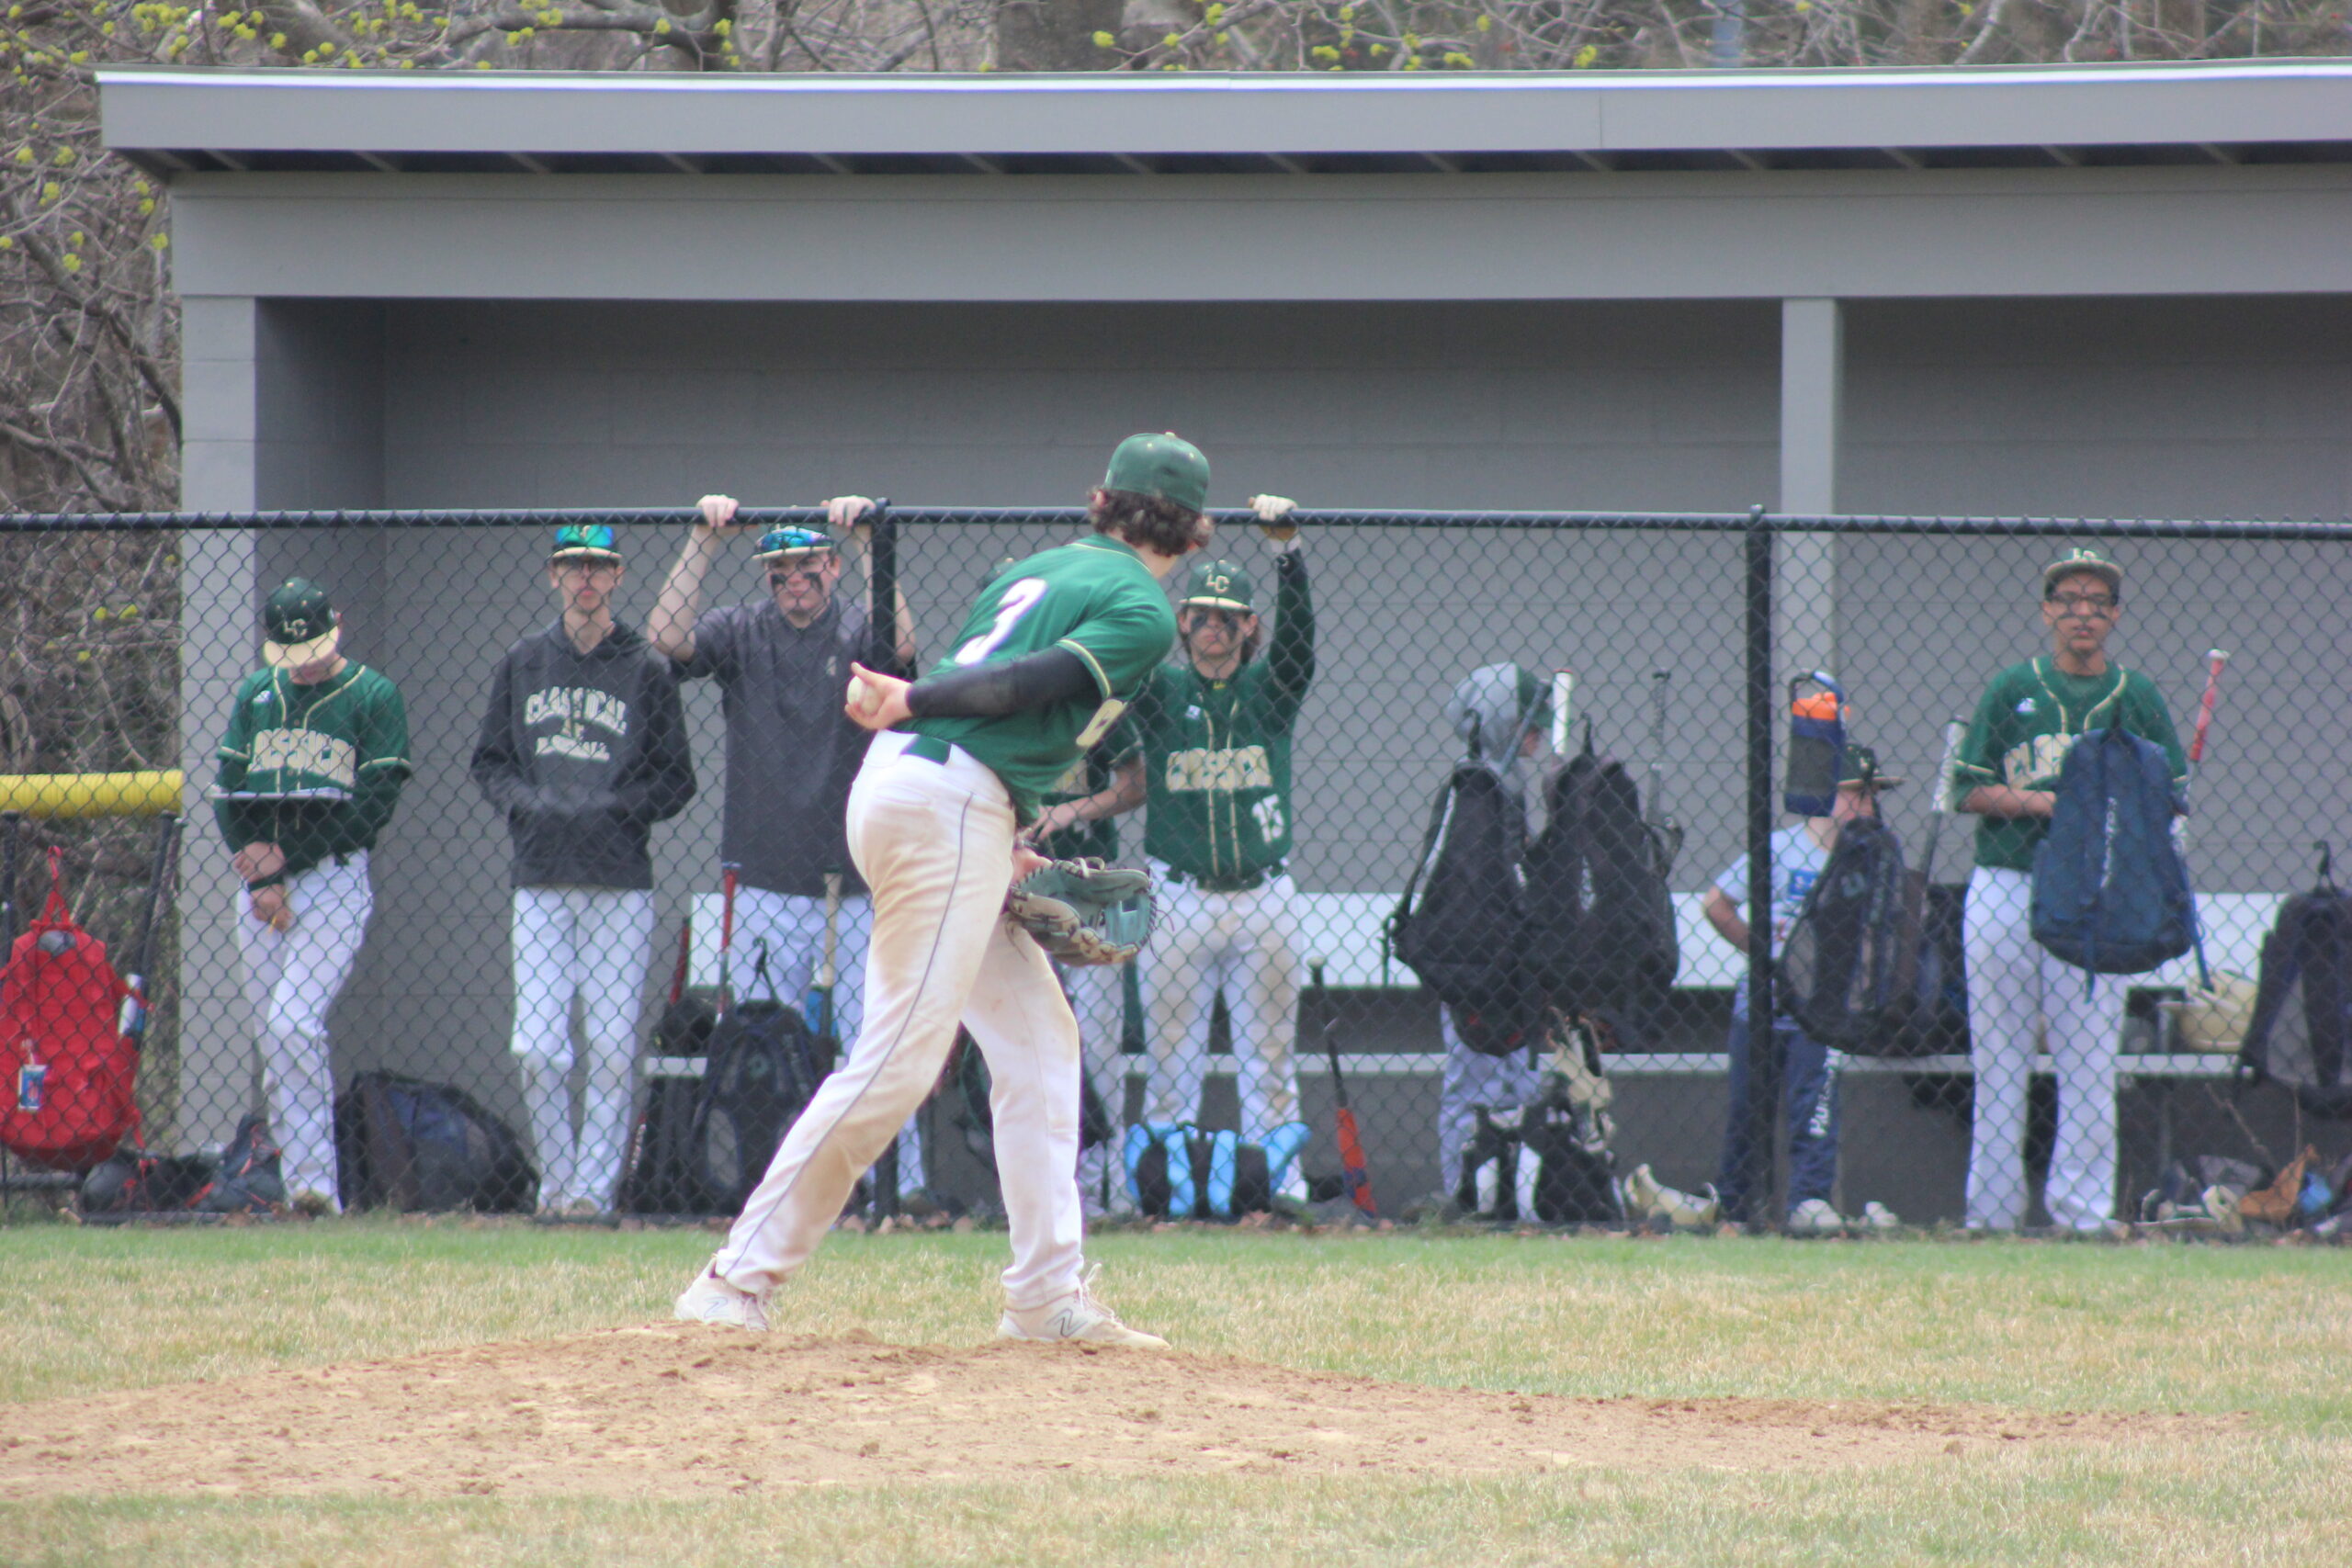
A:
1222,584
1165,467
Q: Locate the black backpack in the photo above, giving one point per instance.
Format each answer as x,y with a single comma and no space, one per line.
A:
409,1145
1600,921
763,1069
2301,1033
2111,893
1460,926
1849,970
1222,1178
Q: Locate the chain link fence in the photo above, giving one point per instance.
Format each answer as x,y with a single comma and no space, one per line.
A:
486,959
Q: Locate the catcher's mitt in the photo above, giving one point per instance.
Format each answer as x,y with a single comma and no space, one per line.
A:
1083,912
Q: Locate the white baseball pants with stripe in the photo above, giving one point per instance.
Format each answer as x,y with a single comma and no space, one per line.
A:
1245,945
292,978
2017,990
934,842
793,925
593,943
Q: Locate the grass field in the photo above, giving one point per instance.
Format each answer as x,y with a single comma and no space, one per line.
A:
2259,1330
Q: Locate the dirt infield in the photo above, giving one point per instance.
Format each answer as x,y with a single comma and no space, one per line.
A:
679,1411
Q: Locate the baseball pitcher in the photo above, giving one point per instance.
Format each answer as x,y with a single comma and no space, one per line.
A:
1048,659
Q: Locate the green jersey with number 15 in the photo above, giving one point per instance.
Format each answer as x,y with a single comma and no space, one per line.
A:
1094,597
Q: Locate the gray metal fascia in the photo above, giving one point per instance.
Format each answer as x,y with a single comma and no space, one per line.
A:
546,112
1857,235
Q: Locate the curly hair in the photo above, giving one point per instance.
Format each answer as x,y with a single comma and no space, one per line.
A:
1144,520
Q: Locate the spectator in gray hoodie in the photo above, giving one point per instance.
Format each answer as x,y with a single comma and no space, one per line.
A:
584,749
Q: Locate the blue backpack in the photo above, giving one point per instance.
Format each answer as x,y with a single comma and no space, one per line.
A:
2110,893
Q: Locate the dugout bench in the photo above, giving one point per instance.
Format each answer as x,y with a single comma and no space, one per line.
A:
1905,1136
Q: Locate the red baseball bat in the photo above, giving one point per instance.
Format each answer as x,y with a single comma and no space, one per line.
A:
1354,1173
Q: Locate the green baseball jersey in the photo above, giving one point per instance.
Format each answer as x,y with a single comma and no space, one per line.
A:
1094,597
344,739
2027,722
1216,754
1091,774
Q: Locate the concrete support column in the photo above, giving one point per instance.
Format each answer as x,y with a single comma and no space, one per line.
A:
219,643
1812,361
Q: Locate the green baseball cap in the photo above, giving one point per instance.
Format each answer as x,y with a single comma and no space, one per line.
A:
1221,583
2091,561
584,541
1165,467
302,625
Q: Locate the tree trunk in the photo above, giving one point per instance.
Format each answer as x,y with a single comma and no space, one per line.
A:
1054,35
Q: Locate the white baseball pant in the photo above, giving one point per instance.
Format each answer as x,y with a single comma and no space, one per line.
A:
793,926
934,842
593,943
292,978
1097,994
2017,989
1244,945
1471,1079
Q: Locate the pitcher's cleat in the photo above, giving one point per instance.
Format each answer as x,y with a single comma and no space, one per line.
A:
712,1300
1076,1317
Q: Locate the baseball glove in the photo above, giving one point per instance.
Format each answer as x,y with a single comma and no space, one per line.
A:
1083,912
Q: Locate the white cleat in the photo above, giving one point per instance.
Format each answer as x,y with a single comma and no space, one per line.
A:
712,1300
1076,1317
1878,1219
1815,1218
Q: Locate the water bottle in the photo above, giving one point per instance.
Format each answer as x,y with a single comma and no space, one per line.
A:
32,1090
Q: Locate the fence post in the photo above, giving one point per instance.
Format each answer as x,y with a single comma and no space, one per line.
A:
1757,1176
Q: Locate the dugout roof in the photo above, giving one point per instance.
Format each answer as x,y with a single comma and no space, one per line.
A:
179,121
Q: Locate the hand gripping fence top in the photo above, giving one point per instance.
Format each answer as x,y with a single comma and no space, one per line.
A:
1917,616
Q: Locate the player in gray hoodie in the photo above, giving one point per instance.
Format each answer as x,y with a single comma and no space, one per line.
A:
583,747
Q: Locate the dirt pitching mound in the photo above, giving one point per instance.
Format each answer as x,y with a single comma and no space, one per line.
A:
687,1411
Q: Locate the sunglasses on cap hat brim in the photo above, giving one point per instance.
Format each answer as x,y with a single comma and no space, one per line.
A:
294,655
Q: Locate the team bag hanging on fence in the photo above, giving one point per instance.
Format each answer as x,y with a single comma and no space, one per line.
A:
2111,892
2301,1034
763,1069
1849,966
67,1071
1600,921
1462,925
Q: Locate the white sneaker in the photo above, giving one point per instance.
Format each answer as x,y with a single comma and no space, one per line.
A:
2221,1204
712,1300
1075,1316
1877,1216
1815,1218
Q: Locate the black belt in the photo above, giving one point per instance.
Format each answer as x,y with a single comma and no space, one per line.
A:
1243,882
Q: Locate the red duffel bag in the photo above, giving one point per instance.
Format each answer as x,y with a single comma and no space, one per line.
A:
67,1071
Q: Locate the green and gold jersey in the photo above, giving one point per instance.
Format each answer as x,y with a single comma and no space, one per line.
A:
2027,722
334,756
1216,754
1091,774
1094,597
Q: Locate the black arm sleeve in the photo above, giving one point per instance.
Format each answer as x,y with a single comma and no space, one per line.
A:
991,691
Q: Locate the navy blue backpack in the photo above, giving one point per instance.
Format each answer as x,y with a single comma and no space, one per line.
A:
2111,893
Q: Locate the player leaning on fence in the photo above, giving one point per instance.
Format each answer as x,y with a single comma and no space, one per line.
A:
791,753
1053,650
584,749
310,772
2027,721
1215,730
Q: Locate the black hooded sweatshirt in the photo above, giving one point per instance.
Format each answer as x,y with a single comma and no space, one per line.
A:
584,752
